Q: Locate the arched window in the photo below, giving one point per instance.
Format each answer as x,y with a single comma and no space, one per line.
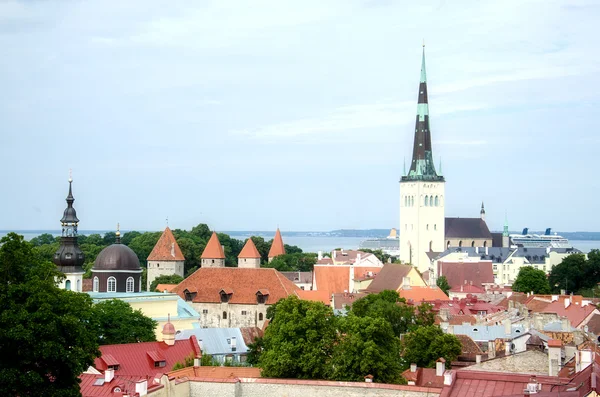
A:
426,201
224,315
431,246
78,285
437,201
412,201
260,316
460,243
111,284
129,284
448,244
96,284
68,285
406,201
472,243
435,226
484,244
427,226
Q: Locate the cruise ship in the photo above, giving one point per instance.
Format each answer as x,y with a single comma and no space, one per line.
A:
389,245
546,240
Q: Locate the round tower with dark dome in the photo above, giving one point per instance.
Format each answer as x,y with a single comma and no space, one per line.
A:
117,269
69,258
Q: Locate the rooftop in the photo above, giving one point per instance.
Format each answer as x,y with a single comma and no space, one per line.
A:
166,248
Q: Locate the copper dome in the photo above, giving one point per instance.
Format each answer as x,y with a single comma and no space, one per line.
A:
117,257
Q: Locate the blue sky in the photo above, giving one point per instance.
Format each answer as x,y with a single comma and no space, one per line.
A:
248,115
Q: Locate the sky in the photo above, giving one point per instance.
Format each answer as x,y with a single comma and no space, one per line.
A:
298,114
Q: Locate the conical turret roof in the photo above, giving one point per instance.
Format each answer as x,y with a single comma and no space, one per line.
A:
277,247
249,250
166,248
213,249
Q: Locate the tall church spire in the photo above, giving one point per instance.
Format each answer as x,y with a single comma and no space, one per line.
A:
422,166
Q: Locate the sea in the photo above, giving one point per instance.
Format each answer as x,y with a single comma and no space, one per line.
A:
308,241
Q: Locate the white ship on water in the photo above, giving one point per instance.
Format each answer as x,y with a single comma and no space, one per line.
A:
389,245
546,240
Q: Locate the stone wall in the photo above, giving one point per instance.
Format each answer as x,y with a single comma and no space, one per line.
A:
160,268
237,315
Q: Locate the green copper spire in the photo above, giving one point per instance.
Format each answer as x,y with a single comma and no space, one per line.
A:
423,72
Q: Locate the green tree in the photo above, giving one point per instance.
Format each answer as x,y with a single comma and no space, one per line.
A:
201,232
127,237
47,335
190,251
297,262
292,249
389,306
109,238
442,282
45,252
382,256
165,279
119,323
530,279
368,346
424,345
591,270
42,239
254,351
299,340
262,247
143,244
94,239
424,315
568,274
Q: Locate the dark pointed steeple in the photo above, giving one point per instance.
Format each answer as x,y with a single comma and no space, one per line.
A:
422,166
482,212
69,258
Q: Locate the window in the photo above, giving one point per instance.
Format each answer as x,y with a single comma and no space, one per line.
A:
472,243
484,244
111,284
435,226
426,202
448,244
78,285
68,285
204,311
427,226
129,285
437,202
244,312
68,256
412,201
158,364
260,316
460,243
213,261
224,315
96,284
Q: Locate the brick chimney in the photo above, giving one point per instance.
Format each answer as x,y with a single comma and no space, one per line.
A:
413,367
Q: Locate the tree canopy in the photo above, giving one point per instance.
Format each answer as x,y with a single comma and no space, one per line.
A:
48,336
570,274
442,282
424,345
297,262
530,279
165,279
119,323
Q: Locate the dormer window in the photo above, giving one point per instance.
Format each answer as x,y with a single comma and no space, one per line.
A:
158,359
262,296
189,295
226,294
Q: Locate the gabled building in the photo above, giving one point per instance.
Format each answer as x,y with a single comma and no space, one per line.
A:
249,256
396,277
231,297
165,259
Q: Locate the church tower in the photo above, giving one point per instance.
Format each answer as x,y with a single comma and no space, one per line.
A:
421,193
69,258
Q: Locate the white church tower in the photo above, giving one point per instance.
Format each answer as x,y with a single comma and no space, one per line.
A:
421,194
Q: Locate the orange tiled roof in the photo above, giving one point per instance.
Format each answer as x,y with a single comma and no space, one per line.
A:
213,249
574,312
165,287
166,248
418,294
336,278
317,296
244,283
277,248
249,250
216,372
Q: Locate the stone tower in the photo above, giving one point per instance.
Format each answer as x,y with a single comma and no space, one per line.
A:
165,259
505,236
69,258
277,248
421,193
213,255
249,256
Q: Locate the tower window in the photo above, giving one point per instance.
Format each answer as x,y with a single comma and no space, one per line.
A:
96,284
436,201
224,315
260,316
426,201
129,284
111,284
460,243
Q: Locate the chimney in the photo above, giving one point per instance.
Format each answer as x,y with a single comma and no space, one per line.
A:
369,378
233,344
173,250
507,327
333,254
476,250
197,361
440,366
320,255
554,360
486,251
413,367
141,387
491,349
109,374
478,359
567,302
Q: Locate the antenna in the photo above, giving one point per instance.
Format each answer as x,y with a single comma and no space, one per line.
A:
70,175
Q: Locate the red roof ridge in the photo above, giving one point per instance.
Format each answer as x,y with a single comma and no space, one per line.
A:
277,248
249,250
166,248
213,249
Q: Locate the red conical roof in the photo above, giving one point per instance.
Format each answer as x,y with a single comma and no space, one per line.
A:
166,248
213,249
277,247
249,250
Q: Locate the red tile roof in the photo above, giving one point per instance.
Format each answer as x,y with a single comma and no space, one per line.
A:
166,248
418,294
277,248
349,257
424,377
213,249
461,273
575,313
135,359
165,287
242,282
471,289
554,343
346,299
249,250
336,278
469,347
92,386
316,296
457,319
216,372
